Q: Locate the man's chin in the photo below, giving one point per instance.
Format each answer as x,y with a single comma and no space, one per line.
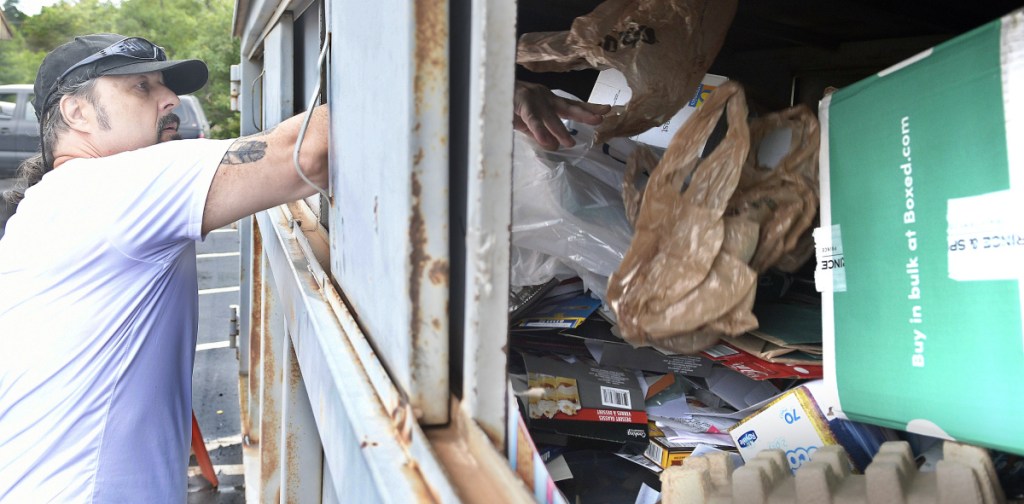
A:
167,137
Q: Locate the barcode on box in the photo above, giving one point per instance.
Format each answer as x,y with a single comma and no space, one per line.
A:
655,453
614,397
720,351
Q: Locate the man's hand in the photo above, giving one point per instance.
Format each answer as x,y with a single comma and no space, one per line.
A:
539,113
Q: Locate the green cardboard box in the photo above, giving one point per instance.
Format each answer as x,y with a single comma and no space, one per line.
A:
921,246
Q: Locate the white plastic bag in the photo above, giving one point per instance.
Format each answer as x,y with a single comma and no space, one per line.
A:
568,218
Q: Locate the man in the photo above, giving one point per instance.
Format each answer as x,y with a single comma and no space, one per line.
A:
98,288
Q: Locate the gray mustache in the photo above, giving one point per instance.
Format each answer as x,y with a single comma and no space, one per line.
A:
167,120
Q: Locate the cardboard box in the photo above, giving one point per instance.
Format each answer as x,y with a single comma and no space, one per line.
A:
611,89
792,423
921,249
755,368
667,451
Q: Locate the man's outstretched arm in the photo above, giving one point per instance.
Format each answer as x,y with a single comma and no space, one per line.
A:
257,171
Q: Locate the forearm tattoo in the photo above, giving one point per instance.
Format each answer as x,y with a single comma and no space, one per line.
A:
244,151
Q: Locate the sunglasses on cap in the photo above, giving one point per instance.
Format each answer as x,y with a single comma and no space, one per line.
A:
131,47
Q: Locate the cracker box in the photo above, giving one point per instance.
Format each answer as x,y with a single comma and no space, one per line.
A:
792,423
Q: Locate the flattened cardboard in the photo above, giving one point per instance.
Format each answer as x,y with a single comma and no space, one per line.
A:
758,369
586,400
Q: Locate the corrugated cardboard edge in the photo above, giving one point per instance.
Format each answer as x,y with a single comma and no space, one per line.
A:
1011,59
830,388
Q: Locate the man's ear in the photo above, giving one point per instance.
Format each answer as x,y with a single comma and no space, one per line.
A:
78,113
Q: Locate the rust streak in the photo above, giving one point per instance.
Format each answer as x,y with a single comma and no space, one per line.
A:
292,453
425,493
295,374
431,46
255,332
270,419
418,257
439,272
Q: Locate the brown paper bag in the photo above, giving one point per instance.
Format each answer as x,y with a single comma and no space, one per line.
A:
766,220
685,276
641,160
782,200
663,47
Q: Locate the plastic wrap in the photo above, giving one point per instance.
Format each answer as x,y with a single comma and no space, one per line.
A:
568,218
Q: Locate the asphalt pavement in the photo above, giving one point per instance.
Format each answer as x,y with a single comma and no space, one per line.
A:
215,376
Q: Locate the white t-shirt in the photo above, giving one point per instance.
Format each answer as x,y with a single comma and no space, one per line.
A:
98,322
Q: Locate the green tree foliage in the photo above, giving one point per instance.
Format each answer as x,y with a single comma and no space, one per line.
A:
198,29
12,14
18,63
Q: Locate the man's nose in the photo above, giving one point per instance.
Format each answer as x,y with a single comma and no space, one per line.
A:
170,100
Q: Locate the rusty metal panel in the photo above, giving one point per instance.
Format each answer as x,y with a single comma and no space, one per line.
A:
388,103
373,451
249,394
489,209
272,375
301,453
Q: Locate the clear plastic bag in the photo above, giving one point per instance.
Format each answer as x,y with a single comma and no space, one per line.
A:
568,218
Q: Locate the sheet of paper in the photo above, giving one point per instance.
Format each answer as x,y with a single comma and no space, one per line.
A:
738,390
559,469
647,495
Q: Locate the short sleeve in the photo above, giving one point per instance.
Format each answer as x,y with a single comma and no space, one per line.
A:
161,196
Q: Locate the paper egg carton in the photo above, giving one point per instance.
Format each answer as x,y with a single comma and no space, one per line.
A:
966,475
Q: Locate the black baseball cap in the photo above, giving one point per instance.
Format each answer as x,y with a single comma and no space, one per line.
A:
91,56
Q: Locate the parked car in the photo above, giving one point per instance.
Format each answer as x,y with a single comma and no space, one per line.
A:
193,118
19,128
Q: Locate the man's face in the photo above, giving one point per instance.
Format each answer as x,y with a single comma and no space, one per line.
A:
134,106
